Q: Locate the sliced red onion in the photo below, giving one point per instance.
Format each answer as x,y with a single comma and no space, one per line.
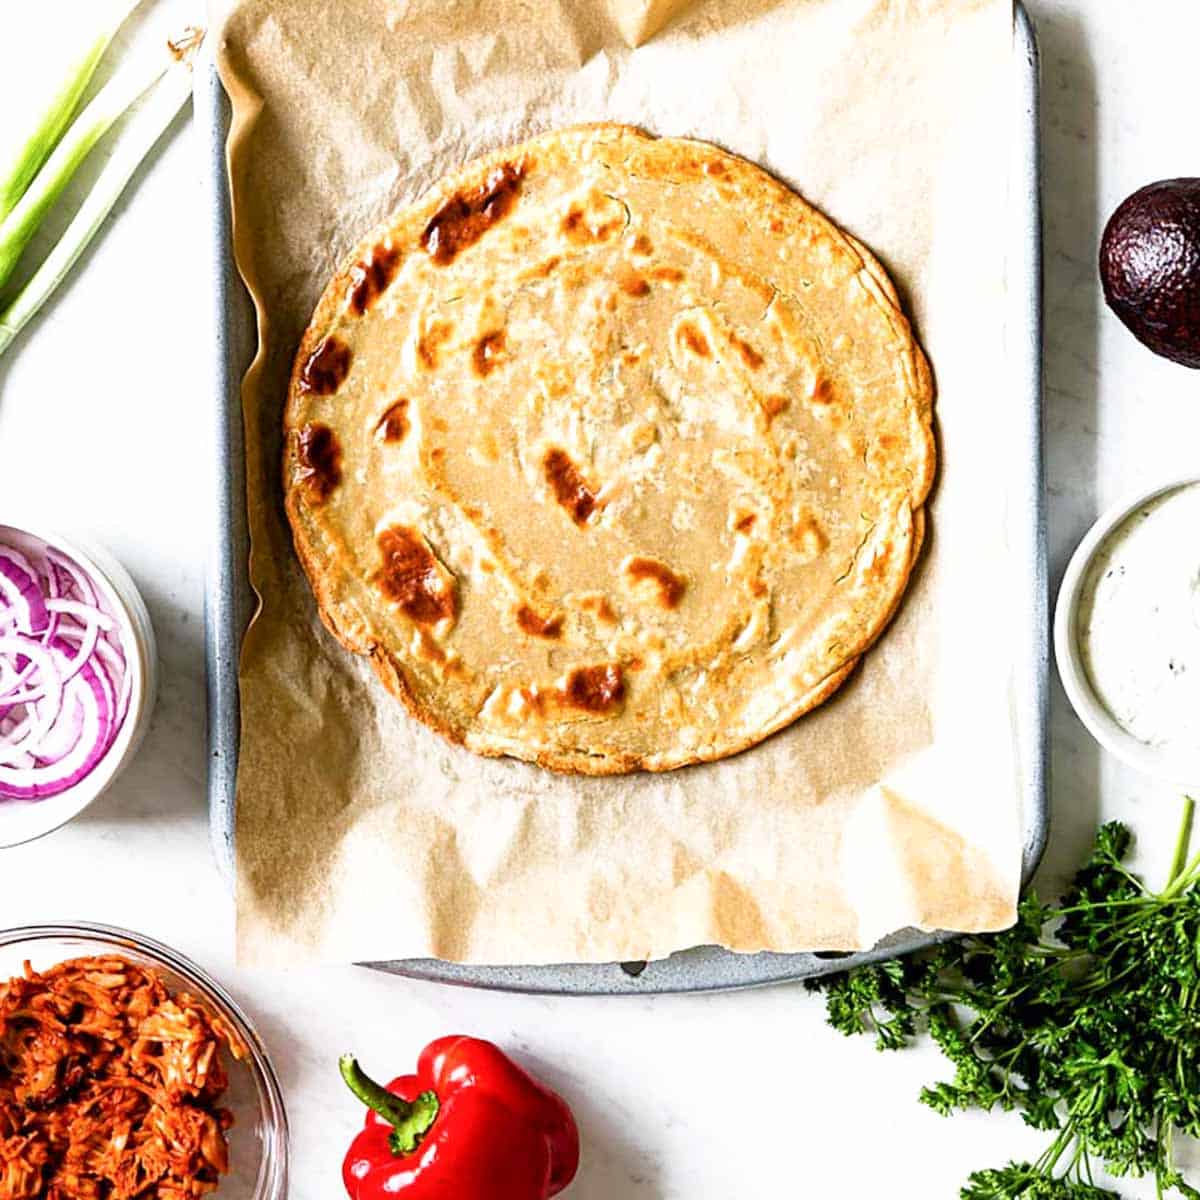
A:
14,727
105,684
89,614
64,731
73,577
49,777
47,665
80,653
64,678
111,661
21,591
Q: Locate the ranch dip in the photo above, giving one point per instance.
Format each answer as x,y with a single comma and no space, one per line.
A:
1139,622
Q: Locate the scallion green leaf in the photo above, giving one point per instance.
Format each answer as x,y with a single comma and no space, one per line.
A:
50,123
111,102
164,95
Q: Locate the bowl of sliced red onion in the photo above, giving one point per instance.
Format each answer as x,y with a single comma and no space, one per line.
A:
77,678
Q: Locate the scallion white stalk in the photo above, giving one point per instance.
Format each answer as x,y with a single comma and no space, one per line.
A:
43,137
166,96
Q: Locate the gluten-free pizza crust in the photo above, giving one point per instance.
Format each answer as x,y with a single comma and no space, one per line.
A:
610,452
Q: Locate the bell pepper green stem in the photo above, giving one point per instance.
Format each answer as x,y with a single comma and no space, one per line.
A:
410,1121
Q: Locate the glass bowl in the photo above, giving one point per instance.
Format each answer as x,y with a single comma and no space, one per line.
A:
258,1140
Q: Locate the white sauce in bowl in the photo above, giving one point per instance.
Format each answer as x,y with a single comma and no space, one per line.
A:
1138,623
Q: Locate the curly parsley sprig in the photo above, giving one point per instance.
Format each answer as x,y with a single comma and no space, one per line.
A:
1084,1018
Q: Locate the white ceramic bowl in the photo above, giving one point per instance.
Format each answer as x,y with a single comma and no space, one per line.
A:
1182,770
24,820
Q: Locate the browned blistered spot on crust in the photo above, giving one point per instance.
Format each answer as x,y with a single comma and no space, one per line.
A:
599,605
487,352
556,387
630,282
774,405
545,269
393,425
410,578
775,225
429,344
694,339
630,358
437,454
544,627
750,356
642,245
598,689
520,237
716,168
670,586
429,648
667,274
488,446
635,664
466,217
574,275
370,277
578,229
573,224
745,524
439,425
808,535
320,459
757,587
570,488
878,566
326,367
822,391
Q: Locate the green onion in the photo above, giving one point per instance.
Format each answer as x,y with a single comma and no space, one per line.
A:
50,125
165,95
111,102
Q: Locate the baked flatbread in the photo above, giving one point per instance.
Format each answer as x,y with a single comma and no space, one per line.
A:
610,452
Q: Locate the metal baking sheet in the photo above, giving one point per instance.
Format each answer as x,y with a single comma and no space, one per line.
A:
229,602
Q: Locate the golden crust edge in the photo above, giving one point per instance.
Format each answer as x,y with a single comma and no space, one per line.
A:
392,676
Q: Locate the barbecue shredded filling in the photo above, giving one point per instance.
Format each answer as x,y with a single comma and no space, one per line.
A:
109,1086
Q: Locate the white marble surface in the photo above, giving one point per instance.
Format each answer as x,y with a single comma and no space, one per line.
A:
101,430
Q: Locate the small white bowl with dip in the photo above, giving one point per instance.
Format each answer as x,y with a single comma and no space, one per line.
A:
1127,631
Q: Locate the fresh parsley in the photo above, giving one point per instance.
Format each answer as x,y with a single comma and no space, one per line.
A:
1084,1018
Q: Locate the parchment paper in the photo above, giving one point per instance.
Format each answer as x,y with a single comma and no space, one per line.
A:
363,835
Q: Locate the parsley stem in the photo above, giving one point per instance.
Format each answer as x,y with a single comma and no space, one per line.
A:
1182,843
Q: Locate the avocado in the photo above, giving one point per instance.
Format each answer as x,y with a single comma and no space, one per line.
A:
1150,267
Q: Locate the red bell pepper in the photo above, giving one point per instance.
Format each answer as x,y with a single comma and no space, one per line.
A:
469,1125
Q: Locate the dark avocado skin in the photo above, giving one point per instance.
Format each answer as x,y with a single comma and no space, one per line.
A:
1150,267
